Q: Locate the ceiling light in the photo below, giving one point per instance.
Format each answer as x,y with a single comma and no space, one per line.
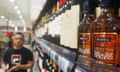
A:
24,23
40,8
21,16
16,29
22,20
24,29
10,22
2,17
6,19
16,7
12,25
12,1
18,12
70,2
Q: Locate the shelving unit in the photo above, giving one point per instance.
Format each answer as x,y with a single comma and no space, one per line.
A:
68,16
66,59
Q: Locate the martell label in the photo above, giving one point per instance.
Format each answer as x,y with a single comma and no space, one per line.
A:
118,50
84,44
104,46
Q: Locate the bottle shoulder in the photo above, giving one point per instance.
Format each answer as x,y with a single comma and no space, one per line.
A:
106,24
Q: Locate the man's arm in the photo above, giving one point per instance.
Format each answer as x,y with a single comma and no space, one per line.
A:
27,66
3,66
23,66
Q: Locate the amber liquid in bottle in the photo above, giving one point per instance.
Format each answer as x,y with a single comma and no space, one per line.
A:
84,42
106,37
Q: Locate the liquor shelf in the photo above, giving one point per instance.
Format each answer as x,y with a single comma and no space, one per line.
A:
70,61
64,58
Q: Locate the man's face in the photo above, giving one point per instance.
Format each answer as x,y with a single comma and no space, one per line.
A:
18,40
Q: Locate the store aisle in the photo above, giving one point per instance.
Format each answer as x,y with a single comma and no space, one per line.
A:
36,67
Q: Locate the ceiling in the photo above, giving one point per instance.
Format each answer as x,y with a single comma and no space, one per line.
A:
29,11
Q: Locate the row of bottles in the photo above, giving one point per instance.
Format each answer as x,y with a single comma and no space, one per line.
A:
99,38
84,28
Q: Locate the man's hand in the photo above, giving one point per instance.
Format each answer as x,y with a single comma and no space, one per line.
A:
16,67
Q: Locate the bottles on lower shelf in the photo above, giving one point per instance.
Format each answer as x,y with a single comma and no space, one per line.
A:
57,61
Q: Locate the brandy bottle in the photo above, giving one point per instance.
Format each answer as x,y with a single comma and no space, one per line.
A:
84,36
106,34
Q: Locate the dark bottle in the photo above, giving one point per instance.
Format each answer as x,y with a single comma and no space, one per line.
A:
84,36
106,34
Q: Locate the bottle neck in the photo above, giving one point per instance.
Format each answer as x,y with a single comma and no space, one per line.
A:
109,12
88,17
85,16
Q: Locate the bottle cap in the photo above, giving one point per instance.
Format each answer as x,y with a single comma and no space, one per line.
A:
104,3
89,6
114,4
109,3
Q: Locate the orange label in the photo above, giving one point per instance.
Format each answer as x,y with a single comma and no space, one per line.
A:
84,44
104,46
118,51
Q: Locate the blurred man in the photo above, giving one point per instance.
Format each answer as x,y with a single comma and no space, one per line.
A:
18,58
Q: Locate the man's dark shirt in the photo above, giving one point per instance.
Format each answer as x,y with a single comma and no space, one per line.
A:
21,56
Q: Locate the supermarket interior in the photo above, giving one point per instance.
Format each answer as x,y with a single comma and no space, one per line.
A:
59,36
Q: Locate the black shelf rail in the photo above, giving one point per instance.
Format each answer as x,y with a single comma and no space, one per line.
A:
66,59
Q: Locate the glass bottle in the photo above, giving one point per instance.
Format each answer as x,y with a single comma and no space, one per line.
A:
84,36
106,34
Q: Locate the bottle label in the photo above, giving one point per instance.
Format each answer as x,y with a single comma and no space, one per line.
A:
84,44
101,39
105,46
118,51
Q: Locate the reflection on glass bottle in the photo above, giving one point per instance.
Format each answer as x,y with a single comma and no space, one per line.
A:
106,34
84,42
